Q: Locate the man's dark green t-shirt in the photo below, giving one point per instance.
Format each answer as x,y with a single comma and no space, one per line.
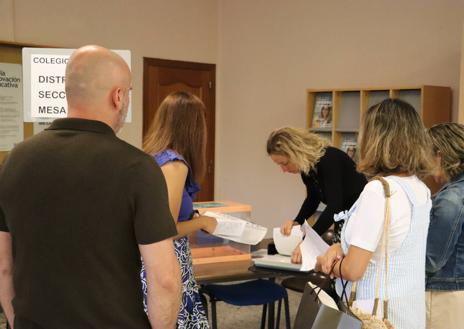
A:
77,202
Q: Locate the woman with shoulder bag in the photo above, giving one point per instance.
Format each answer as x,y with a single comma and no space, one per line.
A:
445,242
383,241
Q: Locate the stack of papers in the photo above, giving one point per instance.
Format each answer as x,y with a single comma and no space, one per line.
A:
237,229
311,247
286,244
279,262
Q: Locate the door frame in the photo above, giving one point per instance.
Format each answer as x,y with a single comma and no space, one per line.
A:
166,63
159,62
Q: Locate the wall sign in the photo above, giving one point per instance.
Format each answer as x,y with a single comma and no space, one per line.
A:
44,92
11,110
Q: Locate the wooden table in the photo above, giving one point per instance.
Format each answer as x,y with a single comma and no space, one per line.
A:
228,272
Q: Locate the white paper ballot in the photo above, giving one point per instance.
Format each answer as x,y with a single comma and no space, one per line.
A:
277,261
285,244
226,224
252,234
237,229
311,247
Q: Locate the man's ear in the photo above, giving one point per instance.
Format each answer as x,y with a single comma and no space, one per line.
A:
116,98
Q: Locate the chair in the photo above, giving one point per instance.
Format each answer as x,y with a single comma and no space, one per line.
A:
295,283
298,283
255,292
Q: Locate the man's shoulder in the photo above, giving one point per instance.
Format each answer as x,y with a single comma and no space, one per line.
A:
129,148
24,147
133,156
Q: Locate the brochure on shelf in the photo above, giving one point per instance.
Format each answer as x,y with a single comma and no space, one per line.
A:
322,116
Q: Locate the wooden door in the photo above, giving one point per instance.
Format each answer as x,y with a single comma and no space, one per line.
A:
162,77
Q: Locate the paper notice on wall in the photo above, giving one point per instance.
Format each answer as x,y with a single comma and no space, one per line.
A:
44,83
11,109
48,97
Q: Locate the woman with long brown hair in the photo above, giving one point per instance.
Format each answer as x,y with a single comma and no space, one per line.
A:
177,141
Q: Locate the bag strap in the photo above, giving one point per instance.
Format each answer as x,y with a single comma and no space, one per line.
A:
386,227
344,283
327,283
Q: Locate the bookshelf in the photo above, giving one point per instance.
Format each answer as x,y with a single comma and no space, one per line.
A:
347,106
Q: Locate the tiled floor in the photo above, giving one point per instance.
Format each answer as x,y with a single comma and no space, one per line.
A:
246,317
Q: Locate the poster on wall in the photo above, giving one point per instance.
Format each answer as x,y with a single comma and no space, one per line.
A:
11,110
44,93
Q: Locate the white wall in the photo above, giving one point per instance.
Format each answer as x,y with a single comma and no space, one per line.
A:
171,29
270,51
6,17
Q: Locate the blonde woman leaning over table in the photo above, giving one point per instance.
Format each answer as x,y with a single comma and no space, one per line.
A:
328,173
445,242
393,144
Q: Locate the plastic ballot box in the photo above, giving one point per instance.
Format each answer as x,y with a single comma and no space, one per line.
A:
207,248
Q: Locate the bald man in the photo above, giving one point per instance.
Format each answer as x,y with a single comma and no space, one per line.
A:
79,208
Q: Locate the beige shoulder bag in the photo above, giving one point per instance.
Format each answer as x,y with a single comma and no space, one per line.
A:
372,321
